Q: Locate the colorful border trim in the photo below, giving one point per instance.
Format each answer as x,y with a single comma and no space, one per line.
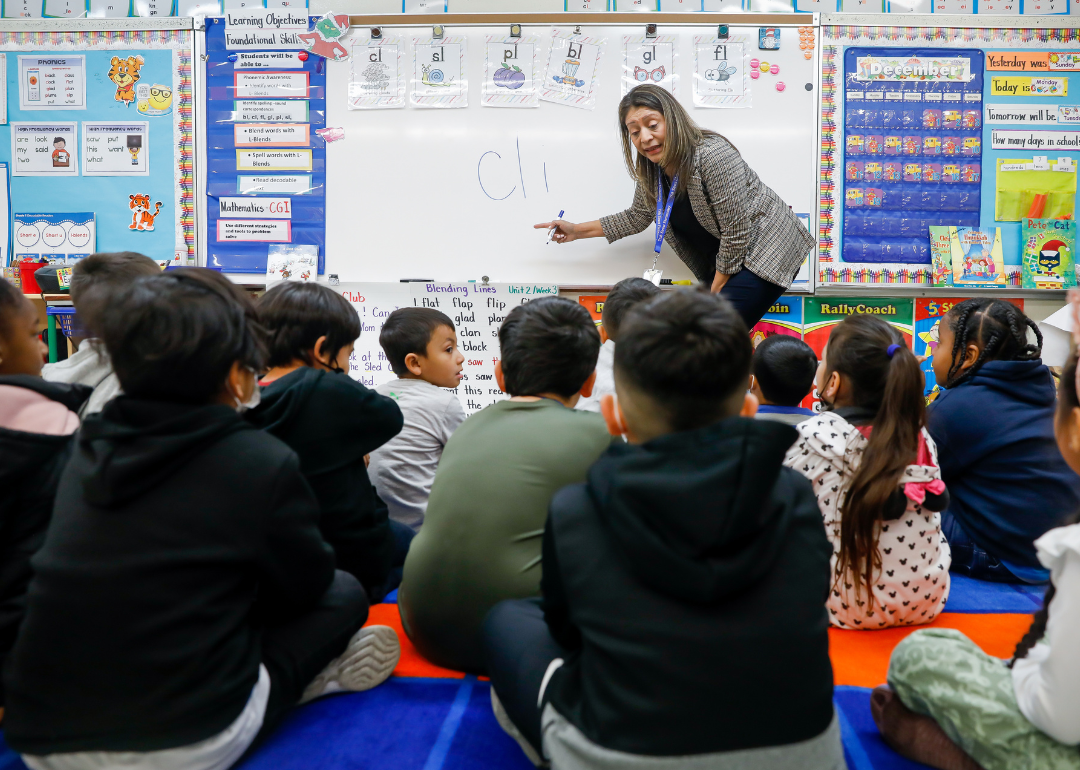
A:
827,201
897,274
1007,36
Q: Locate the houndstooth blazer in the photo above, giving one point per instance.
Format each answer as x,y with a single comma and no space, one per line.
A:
756,228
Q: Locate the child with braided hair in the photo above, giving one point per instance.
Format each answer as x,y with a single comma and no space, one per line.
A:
873,469
953,707
994,429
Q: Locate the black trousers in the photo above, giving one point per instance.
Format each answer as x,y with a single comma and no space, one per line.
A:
295,652
751,295
518,649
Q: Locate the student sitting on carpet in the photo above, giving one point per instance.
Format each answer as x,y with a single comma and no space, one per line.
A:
184,598
682,623
994,428
623,296
781,375
331,421
421,345
481,538
93,281
874,470
951,706
37,420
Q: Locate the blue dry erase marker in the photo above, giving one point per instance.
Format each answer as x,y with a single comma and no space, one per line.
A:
551,232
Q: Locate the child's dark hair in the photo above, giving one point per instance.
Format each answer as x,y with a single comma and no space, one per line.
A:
784,368
296,314
885,378
997,327
96,278
689,351
408,330
623,296
175,336
549,345
11,300
1068,399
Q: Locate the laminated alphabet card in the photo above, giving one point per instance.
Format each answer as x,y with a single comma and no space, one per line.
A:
376,81
511,72
721,74
438,77
650,60
572,74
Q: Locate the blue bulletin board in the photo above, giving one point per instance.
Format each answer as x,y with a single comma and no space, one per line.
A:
141,197
1022,84
292,174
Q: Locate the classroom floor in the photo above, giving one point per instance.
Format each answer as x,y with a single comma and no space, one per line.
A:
429,718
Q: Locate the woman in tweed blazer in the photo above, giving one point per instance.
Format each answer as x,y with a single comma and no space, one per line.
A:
730,229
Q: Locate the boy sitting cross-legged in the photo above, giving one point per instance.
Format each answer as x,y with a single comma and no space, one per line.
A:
184,599
480,542
682,623
421,345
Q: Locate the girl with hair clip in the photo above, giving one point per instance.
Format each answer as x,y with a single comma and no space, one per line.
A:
951,706
994,428
874,470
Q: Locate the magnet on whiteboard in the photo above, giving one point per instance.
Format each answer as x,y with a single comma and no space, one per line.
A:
233,57
302,56
764,66
780,85
775,69
754,63
754,74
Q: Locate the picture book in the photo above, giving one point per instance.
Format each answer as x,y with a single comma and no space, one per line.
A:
928,314
784,317
821,314
941,255
977,259
1047,260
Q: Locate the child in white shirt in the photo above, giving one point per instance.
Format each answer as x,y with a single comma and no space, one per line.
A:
623,296
951,706
421,345
873,467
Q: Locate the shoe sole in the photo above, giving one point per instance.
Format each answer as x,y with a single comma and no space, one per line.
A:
369,659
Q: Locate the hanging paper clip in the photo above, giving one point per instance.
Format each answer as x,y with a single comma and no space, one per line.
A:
650,30
437,32
515,30
376,33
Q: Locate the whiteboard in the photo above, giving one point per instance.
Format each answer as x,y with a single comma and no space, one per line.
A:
406,187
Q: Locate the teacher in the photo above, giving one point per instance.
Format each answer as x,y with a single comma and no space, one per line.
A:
733,232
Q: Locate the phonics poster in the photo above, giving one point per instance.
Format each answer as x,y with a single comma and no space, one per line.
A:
84,148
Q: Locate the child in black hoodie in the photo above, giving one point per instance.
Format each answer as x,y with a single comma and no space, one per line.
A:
184,597
684,583
37,420
332,422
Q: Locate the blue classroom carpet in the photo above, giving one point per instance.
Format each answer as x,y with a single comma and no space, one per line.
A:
979,597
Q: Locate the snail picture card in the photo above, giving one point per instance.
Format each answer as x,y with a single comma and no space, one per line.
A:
650,60
376,79
438,76
572,73
511,72
721,72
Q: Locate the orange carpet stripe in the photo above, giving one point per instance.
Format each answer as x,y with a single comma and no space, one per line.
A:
861,658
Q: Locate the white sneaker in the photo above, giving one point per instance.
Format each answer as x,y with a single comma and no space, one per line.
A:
368,661
511,729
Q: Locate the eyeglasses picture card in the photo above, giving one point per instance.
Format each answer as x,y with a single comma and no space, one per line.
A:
650,60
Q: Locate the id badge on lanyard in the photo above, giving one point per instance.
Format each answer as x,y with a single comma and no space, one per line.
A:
663,217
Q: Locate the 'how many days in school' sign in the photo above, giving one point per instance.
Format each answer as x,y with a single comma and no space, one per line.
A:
476,310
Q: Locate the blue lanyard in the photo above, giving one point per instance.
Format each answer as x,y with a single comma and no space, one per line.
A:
663,212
